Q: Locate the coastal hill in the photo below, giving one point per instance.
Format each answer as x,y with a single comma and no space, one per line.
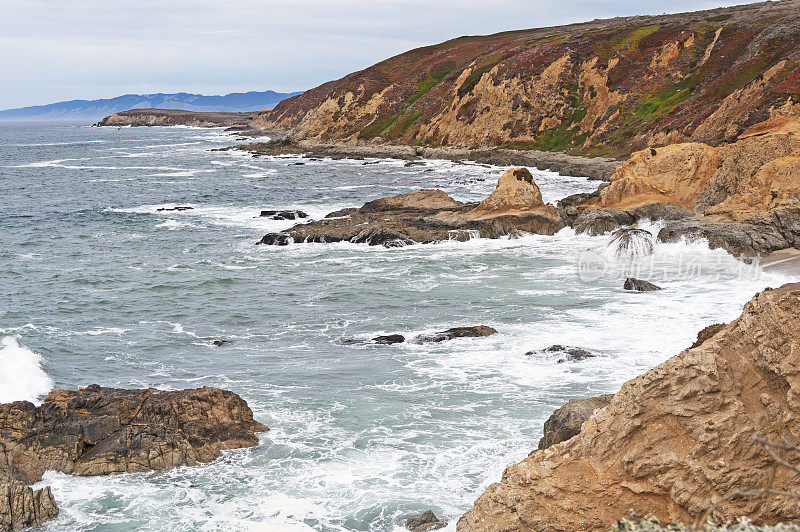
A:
606,87
236,102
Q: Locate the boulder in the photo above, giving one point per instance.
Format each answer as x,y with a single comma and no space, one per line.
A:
389,339
569,353
675,442
476,331
424,522
23,507
283,215
99,431
566,422
639,285
276,239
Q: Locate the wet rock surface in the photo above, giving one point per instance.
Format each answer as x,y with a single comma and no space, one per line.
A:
424,522
639,285
477,331
99,431
673,441
426,216
283,215
389,339
23,507
567,421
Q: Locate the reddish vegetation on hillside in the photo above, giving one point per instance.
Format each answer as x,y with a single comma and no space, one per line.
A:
601,88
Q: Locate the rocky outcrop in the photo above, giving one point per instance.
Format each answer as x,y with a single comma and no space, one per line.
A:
743,197
477,331
283,215
674,442
23,507
100,431
639,285
176,117
606,87
566,422
426,216
424,522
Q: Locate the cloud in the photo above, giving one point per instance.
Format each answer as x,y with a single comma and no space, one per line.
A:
56,50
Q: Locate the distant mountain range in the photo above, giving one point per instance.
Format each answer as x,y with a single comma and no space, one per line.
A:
97,109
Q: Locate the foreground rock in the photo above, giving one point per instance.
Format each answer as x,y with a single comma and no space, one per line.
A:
743,197
566,422
99,431
424,522
639,285
427,215
22,507
673,441
477,331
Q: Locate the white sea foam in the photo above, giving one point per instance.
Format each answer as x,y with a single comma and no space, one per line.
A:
21,375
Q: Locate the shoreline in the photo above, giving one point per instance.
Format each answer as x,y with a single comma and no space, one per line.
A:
594,168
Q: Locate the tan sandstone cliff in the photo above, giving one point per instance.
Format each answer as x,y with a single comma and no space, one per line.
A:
758,172
673,441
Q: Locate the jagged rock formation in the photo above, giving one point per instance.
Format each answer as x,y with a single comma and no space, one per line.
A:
176,117
425,522
673,441
425,216
606,87
22,507
743,196
566,422
99,431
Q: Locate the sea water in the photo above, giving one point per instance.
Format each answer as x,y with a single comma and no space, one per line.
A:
100,286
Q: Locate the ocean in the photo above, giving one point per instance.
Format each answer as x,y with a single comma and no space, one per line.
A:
100,286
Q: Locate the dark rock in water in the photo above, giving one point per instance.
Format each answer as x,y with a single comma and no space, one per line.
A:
276,239
398,243
219,343
409,164
389,339
100,431
179,208
456,332
570,353
283,215
707,334
297,164
632,241
424,522
566,422
22,507
639,285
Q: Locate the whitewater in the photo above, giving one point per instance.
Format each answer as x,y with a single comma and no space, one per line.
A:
100,286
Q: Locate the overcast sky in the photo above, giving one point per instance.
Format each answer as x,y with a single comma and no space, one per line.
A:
53,50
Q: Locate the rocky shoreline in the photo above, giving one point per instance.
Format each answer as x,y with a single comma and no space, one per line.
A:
102,431
598,168
677,443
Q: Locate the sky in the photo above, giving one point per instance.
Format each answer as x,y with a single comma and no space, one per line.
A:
53,50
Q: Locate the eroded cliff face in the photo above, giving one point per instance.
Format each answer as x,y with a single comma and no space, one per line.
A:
759,172
673,441
601,88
